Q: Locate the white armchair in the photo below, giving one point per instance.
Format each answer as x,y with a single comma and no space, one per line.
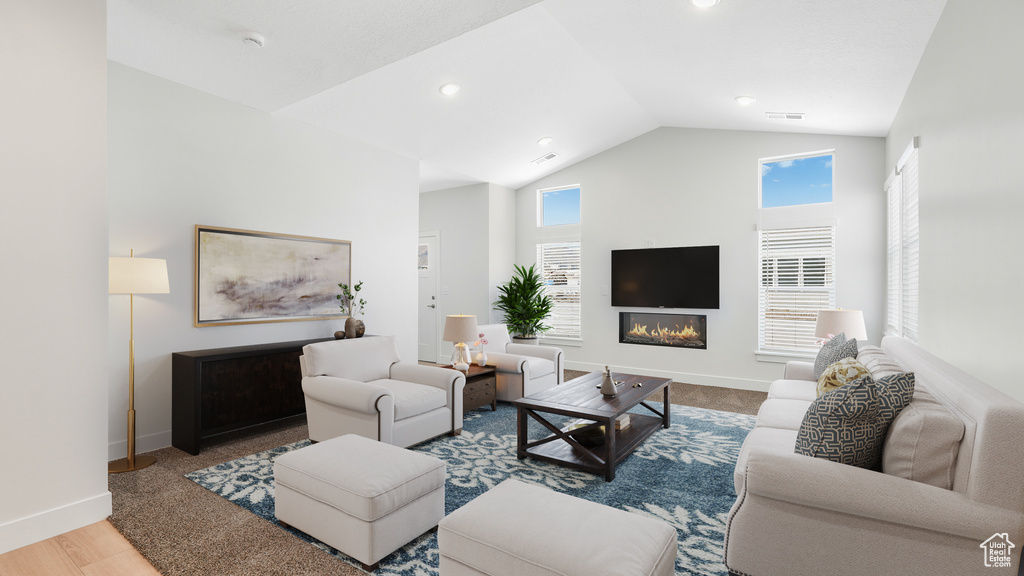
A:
522,369
359,386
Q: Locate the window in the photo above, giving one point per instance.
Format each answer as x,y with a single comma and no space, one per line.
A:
796,281
796,249
559,206
903,247
796,180
559,264
558,258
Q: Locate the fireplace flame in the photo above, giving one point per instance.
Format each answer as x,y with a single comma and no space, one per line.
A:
664,335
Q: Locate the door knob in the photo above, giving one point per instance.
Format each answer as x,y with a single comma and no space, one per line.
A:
431,306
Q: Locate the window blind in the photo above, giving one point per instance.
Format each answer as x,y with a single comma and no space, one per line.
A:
559,264
797,279
903,262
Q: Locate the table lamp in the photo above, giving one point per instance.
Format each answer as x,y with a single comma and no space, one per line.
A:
135,276
459,329
832,322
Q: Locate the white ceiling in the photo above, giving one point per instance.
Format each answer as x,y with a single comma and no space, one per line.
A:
591,74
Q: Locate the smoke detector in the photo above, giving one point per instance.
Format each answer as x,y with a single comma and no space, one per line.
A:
254,40
785,115
545,158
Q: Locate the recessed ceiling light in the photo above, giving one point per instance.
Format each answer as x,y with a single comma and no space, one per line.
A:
544,141
745,100
449,89
703,3
254,40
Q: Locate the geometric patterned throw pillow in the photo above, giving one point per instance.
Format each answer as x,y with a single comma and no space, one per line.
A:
840,373
833,351
848,425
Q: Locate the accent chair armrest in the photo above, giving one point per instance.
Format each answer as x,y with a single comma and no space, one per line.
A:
351,394
546,352
821,484
799,370
506,362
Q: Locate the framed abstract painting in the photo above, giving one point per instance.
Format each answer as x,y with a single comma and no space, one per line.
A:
249,277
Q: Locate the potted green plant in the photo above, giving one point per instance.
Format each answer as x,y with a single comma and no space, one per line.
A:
352,305
525,305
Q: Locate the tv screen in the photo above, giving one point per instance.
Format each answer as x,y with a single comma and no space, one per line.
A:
682,277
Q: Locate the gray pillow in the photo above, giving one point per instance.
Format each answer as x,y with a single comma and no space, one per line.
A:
848,425
833,351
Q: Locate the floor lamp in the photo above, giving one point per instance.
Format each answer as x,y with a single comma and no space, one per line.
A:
135,276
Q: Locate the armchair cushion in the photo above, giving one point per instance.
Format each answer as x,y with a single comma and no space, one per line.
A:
361,359
539,366
413,399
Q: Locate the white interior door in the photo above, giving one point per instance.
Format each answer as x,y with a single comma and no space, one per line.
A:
428,262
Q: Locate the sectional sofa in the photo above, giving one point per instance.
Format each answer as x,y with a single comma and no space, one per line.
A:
948,497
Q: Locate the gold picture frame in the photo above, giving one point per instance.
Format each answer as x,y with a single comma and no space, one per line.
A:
251,277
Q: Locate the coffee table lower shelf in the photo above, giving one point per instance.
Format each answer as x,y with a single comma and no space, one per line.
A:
556,449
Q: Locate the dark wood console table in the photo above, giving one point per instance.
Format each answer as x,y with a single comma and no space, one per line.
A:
224,389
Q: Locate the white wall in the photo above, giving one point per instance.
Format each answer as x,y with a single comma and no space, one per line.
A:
477,228
690,187
179,157
963,104
501,241
53,412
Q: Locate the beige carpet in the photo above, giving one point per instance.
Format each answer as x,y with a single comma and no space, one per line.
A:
185,530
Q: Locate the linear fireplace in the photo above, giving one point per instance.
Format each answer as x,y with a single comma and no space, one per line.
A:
658,329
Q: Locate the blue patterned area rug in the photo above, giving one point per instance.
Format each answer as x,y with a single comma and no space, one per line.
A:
682,475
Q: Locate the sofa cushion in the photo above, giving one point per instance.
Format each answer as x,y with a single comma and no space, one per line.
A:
782,413
878,363
849,424
413,399
839,374
833,351
762,439
793,390
923,442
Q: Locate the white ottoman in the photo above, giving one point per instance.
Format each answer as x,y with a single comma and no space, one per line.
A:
363,497
519,529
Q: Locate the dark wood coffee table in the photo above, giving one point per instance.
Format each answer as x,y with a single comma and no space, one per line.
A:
581,398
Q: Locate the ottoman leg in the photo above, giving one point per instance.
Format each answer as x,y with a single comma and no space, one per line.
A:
370,567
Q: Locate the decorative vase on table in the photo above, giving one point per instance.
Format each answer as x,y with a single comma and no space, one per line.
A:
481,358
607,383
354,328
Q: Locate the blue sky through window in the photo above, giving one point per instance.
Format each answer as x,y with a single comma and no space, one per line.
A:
797,181
560,207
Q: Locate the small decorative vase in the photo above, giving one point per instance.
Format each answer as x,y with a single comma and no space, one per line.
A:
351,325
607,384
480,358
360,329
339,335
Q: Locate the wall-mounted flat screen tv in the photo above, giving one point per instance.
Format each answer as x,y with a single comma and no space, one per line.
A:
681,277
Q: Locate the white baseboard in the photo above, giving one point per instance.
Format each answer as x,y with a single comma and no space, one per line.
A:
147,443
699,379
39,527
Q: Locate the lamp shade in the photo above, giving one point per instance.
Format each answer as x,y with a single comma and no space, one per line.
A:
460,328
138,276
832,322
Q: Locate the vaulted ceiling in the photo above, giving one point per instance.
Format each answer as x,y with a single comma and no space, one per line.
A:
589,74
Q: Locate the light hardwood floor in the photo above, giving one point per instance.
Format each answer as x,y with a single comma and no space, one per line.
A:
94,550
